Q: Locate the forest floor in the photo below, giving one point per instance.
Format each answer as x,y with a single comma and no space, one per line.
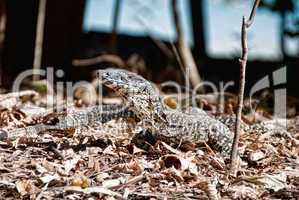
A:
104,161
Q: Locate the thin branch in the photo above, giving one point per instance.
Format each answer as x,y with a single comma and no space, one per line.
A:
160,44
38,52
116,14
179,60
252,14
243,63
184,51
147,10
243,60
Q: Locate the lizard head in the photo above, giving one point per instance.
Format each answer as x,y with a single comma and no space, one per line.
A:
137,91
124,83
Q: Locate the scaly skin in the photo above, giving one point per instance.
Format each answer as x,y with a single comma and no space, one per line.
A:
147,105
71,120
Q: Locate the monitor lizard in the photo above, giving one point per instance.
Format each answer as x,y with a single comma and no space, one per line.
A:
147,105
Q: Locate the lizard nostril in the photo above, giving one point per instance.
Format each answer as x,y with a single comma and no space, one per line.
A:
3,135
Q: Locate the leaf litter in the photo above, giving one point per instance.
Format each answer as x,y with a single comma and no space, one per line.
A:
106,161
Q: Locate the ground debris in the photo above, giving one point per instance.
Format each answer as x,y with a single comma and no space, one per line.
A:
107,160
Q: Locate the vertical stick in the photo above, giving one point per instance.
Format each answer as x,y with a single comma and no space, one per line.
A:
38,52
243,63
115,26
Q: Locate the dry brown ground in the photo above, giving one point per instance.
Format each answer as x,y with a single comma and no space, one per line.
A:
104,162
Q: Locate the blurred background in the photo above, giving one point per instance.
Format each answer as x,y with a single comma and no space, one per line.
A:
80,36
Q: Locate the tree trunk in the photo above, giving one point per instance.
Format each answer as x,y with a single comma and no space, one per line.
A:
39,39
191,71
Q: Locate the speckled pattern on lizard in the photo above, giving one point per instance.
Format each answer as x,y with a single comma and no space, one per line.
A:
146,103
70,120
